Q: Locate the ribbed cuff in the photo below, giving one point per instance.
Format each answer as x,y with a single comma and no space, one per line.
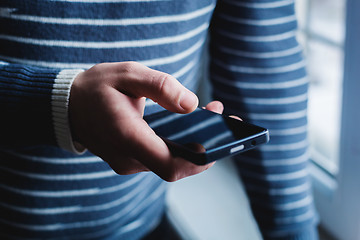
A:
59,105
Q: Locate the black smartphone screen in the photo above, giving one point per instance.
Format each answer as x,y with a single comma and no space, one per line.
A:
205,136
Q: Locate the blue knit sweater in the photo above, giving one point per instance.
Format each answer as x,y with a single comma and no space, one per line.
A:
48,190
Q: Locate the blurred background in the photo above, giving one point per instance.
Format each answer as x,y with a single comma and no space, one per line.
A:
330,35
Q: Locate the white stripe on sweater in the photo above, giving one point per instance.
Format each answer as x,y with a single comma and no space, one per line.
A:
131,226
274,4
303,158
174,58
132,206
289,206
188,67
295,219
149,62
9,13
276,116
74,193
62,177
68,65
262,101
262,55
78,208
279,191
62,161
286,206
276,176
289,131
285,147
260,22
261,70
108,45
262,85
261,39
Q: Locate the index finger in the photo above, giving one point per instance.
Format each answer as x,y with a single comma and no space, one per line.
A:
160,87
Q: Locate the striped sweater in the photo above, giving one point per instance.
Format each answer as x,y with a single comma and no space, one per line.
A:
256,68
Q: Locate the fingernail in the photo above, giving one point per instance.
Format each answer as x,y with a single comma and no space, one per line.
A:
189,101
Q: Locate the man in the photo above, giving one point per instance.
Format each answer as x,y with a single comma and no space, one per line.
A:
75,75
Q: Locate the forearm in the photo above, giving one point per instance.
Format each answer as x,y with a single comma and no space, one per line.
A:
33,105
258,72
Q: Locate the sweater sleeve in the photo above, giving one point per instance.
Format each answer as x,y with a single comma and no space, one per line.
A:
258,72
34,106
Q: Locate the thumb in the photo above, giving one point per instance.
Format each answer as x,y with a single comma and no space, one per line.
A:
161,88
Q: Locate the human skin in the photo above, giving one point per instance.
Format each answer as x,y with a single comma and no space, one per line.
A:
106,109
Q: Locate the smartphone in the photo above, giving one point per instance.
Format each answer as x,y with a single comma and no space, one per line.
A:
204,136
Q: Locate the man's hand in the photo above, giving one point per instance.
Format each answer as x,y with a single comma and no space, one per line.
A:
106,116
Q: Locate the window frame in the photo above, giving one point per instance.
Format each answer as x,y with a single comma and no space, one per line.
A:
337,197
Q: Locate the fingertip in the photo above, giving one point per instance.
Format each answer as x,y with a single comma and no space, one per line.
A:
215,106
188,101
235,117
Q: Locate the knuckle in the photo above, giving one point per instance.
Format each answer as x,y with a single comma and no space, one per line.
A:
97,69
160,82
128,67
